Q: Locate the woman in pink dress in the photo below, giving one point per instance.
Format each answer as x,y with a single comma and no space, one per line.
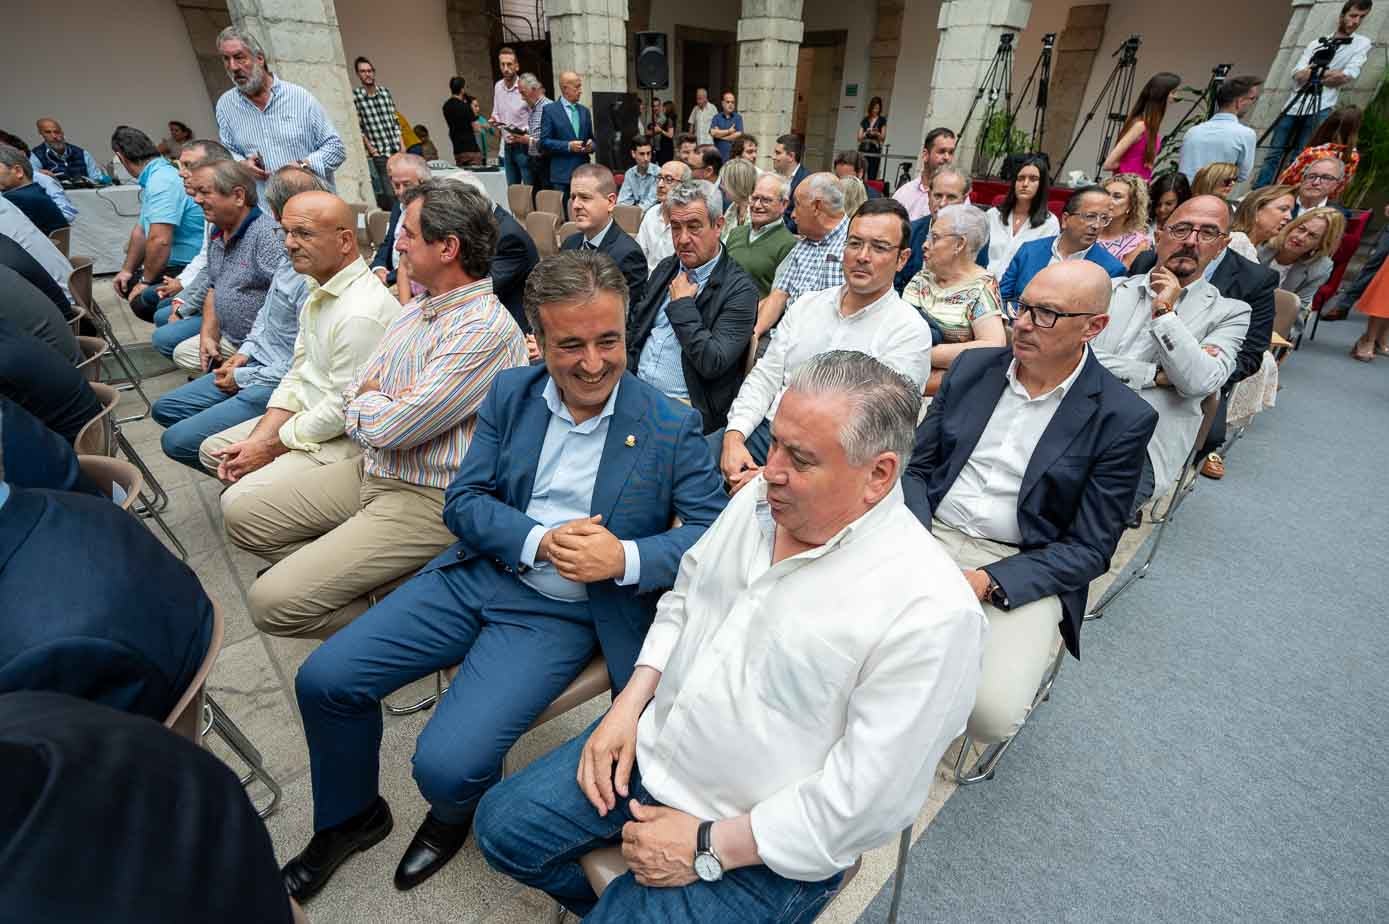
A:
1139,140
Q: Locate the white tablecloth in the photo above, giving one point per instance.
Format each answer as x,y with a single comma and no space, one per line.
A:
494,181
102,229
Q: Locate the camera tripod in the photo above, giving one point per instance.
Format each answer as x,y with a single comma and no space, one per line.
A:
998,81
1173,139
1041,73
1114,96
1304,106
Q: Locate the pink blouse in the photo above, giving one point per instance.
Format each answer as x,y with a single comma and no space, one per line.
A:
1132,160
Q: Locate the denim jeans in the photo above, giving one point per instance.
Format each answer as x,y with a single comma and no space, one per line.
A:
517,164
145,304
535,826
169,334
1282,139
194,411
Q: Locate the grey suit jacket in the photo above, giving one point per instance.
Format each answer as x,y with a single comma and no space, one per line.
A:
1135,347
1303,278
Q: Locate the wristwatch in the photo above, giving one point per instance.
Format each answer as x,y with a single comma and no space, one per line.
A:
994,594
707,865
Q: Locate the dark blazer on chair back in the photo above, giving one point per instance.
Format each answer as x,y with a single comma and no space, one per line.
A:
516,256
625,252
714,329
555,135
1078,487
382,260
655,466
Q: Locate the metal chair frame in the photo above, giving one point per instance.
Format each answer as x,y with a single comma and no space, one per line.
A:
80,285
112,439
217,720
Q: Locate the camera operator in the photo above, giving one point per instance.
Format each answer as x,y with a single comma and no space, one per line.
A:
1333,62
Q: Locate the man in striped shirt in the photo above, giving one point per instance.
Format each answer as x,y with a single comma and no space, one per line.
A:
267,122
341,530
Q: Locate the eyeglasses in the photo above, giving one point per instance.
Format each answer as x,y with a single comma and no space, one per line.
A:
1102,219
1320,177
879,248
1205,234
302,233
933,236
661,178
763,200
1046,317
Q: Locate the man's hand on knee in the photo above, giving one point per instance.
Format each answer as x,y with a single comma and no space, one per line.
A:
659,846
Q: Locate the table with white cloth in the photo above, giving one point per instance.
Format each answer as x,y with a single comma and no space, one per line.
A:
494,181
102,228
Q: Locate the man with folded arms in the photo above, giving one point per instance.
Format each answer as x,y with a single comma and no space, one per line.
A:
864,314
1025,469
344,315
563,510
340,530
1172,337
792,699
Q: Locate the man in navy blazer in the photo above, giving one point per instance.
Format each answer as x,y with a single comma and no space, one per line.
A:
566,133
1086,214
516,256
1025,468
563,510
406,171
592,197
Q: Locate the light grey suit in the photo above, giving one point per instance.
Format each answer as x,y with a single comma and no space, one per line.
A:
1135,346
1303,279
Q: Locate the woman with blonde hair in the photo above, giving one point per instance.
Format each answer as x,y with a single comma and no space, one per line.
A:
1127,234
1301,255
1260,216
736,179
1217,179
855,194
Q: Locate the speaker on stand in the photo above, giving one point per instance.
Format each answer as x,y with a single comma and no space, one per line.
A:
653,69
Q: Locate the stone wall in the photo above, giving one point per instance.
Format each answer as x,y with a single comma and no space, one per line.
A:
589,37
769,41
204,19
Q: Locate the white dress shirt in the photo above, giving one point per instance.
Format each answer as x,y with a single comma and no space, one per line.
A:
819,693
983,501
1003,243
653,237
15,225
889,330
1349,58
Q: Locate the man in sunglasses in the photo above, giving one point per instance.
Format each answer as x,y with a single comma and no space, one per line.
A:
1025,469
1172,336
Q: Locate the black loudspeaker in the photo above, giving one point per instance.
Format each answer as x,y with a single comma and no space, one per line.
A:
615,118
653,68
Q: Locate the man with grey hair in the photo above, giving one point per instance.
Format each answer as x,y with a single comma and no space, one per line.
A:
816,262
18,186
689,337
772,652
759,245
654,234
1320,184
536,160
268,122
563,512
176,313
404,171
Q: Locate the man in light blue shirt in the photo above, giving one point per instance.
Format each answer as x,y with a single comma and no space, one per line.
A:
639,182
1223,139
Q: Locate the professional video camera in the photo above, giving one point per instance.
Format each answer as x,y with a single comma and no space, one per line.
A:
1326,50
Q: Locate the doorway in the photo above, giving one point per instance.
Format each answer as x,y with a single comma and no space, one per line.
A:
707,58
819,77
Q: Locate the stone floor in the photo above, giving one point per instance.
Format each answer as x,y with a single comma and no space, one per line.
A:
253,683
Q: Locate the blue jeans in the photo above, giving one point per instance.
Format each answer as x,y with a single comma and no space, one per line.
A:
518,165
148,301
536,825
758,443
517,651
1282,139
167,334
196,410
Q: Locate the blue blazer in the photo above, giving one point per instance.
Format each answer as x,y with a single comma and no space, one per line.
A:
383,253
1076,491
1034,256
656,465
555,135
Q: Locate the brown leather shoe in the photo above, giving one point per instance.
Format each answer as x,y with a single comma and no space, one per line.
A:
1213,467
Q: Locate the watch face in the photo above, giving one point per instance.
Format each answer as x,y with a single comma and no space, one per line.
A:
707,868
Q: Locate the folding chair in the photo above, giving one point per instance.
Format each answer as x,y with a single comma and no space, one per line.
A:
105,471
62,239
541,227
1286,306
80,285
628,218
93,349
79,314
518,199
98,435
566,230
550,200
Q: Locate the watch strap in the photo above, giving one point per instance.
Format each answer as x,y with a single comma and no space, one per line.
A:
704,838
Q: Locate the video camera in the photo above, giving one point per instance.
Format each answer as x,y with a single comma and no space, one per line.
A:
1326,50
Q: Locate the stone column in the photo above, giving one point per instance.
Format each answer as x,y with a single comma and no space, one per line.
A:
769,43
204,19
470,29
303,45
1074,57
589,37
883,51
969,38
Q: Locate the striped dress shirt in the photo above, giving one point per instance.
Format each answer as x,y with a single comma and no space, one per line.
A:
432,369
293,127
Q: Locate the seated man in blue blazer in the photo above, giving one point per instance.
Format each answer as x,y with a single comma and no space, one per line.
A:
1085,216
563,509
1025,468
566,133
35,456
406,171
592,198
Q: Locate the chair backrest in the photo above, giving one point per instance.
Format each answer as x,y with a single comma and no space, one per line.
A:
359,223
628,218
80,281
75,322
541,227
565,230
104,471
98,435
378,221
1285,308
93,348
518,198
549,200
186,716
61,239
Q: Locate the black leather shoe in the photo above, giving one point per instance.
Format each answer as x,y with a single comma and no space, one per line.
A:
309,872
433,845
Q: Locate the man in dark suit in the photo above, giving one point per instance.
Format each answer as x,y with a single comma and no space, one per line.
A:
35,456
786,160
566,133
563,510
406,171
44,382
515,258
593,194
689,337
1025,468
1085,216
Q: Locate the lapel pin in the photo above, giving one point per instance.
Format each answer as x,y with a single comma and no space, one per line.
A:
631,441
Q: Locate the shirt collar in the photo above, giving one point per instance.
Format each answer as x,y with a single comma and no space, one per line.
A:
840,232
557,407
1056,250
866,310
431,306
702,273
598,238
1224,117
1060,391
1214,265
754,233
147,173
251,216
865,524
341,280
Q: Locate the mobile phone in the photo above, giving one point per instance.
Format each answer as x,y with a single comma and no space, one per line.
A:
214,363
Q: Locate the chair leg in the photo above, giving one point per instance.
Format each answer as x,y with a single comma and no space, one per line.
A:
161,497
1312,334
983,769
904,844
227,730
147,511
133,380
424,703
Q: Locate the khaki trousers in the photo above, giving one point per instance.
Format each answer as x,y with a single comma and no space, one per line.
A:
280,467
186,353
335,534
1020,645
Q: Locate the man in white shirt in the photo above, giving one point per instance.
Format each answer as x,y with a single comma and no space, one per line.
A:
654,234
786,715
1172,337
701,116
1345,64
936,151
1223,138
864,314
1025,469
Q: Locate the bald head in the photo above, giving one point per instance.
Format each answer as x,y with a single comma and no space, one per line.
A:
51,131
320,234
1076,287
1195,233
570,86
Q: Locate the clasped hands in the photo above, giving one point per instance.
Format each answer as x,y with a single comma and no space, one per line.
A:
583,550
